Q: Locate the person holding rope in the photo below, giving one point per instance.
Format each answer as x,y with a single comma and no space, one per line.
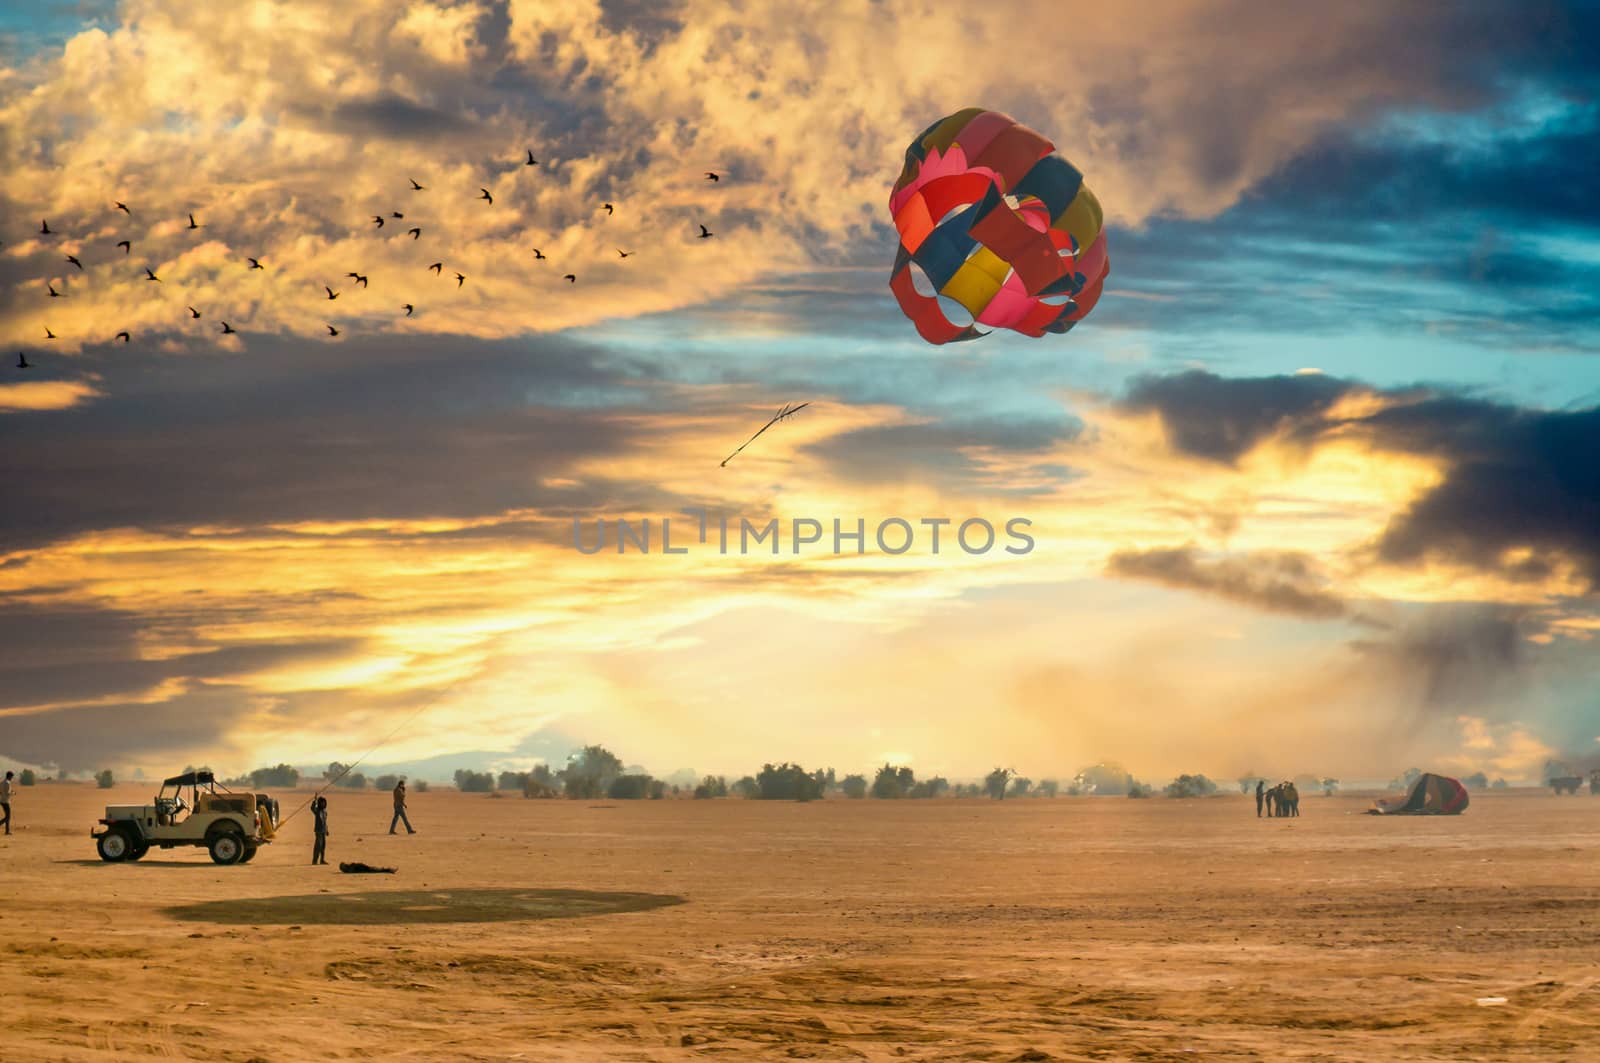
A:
319,825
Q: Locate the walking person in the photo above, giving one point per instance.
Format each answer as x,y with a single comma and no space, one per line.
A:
6,787
400,808
319,824
1261,798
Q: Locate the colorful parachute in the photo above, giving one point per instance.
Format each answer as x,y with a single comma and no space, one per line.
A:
1430,795
1000,225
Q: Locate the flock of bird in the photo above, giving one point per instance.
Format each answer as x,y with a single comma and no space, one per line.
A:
355,277
360,279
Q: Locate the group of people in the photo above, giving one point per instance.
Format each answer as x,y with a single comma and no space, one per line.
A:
319,822
1280,800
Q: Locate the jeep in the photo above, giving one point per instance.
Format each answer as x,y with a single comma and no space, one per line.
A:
231,826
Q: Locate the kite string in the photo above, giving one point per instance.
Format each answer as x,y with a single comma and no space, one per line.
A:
347,768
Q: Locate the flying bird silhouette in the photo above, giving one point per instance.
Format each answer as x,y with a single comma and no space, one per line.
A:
377,219
538,255
358,278
332,331
124,208
149,275
123,336
783,414
255,263
44,229
126,246
460,280
331,293
414,233
53,293
194,313
570,278
531,160
192,223
228,330
416,187
74,260
486,195
705,234
408,308
712,176
623,254
609,208
396,214
48,334
22,361
437,266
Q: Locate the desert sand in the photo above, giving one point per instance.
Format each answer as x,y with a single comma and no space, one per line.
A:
1101,928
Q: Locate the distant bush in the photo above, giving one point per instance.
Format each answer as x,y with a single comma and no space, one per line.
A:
281,776
589,772
105,780
891,782
386,782
786,782
711,786
934,787
474,782
629,788
353,781
1330,787
1191,786
420,786
1476,781
513,780
1047,788
1020,787
1499,784
747,787
658,789
996,782
1107,777
27,777
1139,789
854,786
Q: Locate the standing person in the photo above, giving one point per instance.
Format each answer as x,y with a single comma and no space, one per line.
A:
6,786
400,808
1261,797
319,824
1293,795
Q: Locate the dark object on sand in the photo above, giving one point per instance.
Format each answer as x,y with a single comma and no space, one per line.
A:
1430,795
365,869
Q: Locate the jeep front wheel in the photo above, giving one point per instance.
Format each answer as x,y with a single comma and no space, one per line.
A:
249,853
226,847
114,845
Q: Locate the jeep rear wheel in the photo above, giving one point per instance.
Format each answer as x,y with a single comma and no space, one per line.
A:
114,845
226,847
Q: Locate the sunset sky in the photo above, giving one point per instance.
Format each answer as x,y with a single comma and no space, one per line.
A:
1314,489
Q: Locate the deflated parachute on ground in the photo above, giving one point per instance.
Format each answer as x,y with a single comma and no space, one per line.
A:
999,224
1430,795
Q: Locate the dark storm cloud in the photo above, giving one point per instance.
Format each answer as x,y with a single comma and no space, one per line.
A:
1514,478
69,654
1276,582
1222,419
1459,654
87,738
393,116
394,427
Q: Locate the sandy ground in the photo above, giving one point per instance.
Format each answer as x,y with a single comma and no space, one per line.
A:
929,930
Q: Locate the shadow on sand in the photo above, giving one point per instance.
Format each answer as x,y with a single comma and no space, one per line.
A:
413,907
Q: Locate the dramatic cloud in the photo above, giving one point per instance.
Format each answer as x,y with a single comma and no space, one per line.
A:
1278,582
